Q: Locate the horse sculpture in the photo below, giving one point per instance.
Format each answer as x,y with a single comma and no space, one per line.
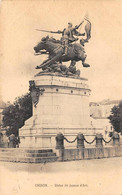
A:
55,50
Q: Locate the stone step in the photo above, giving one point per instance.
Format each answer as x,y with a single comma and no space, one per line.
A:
27,155
25,150
23,154
29,160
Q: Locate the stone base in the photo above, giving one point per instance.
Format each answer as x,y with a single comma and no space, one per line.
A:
89,153
47,140
63,106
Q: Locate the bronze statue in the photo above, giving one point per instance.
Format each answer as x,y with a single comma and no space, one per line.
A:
67,35
65,49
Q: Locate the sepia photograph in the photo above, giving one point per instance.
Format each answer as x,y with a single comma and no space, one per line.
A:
61,97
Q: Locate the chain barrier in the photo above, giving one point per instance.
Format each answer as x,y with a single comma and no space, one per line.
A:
89,142
70,141
107,141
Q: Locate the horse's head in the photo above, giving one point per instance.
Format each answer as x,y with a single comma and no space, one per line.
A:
41,45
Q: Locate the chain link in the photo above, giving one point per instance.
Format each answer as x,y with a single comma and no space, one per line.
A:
89,142
107,141
70,141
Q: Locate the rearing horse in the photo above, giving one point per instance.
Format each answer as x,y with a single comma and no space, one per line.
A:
55,50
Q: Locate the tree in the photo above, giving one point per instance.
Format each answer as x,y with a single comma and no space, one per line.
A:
17,113
116,117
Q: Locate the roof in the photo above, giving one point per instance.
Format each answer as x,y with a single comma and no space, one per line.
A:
105,102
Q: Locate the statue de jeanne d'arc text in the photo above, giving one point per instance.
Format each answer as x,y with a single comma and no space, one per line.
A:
68,48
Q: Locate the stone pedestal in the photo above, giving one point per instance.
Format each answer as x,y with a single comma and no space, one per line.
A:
61,106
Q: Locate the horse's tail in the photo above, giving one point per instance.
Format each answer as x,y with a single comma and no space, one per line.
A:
88,30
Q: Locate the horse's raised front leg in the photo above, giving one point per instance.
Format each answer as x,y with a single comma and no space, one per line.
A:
38,67
49,61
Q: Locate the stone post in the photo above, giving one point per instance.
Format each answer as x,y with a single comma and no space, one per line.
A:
80,141
59,141
116,139
99,140
12,141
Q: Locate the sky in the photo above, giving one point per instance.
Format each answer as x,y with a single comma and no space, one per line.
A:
18,21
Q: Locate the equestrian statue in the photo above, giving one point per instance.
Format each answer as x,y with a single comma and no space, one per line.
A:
64,50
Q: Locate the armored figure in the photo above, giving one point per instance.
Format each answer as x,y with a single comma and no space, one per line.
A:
67,35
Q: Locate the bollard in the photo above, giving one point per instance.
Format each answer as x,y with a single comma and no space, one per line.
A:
80,140
99,139
59,141
12,141
116,139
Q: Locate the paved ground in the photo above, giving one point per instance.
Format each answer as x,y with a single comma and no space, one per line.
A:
85,177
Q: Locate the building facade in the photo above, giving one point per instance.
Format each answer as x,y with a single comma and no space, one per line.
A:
100,111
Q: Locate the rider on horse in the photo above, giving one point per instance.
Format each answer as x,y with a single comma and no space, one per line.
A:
63,51
68,36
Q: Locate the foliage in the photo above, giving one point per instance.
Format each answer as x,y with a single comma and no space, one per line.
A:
116,118
15,114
